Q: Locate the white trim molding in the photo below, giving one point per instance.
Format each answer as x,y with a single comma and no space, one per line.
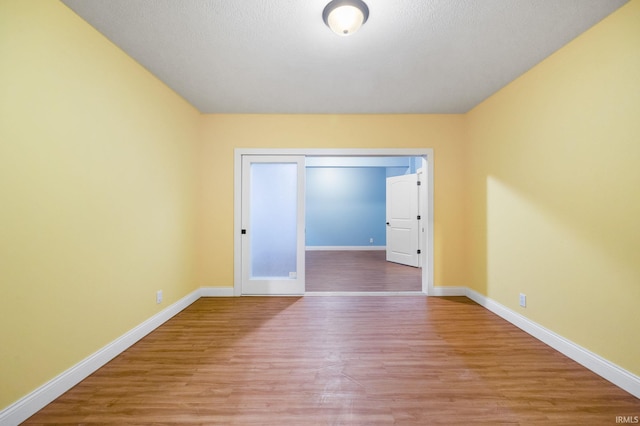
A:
441,290
30,404
216,292
345,248
602,367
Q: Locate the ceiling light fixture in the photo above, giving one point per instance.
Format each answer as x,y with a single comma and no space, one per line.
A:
345,17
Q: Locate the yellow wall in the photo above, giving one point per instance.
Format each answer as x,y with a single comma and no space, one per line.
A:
97,193
554,191
222,133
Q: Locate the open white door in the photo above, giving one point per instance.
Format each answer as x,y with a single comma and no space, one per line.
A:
273,225
402,220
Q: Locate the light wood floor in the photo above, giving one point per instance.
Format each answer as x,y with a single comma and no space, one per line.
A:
340,360
358,271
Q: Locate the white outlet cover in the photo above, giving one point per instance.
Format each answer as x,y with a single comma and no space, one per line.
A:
523,300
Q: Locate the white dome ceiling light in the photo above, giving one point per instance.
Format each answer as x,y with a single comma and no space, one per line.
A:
345,17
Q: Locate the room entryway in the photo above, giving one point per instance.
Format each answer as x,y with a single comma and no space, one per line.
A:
414,279
359,271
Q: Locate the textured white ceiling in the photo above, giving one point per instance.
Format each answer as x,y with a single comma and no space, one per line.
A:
277,56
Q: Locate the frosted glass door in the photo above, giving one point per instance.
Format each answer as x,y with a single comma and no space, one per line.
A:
273,225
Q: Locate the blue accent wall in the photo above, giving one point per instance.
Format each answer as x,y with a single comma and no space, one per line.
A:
345,206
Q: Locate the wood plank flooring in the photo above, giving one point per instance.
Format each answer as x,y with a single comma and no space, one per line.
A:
340,361
358,270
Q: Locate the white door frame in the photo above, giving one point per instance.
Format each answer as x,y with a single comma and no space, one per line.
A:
427,191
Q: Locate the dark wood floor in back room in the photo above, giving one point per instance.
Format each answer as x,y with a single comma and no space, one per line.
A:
349,360
358,270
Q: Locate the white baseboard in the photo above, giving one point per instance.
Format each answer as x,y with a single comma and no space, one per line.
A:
448,291
344,248
30,404
602,367
216,292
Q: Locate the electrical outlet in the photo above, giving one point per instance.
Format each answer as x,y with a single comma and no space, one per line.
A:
523,300
370,240
158,297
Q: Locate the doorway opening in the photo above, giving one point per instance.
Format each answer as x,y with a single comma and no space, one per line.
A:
349,239
349,272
